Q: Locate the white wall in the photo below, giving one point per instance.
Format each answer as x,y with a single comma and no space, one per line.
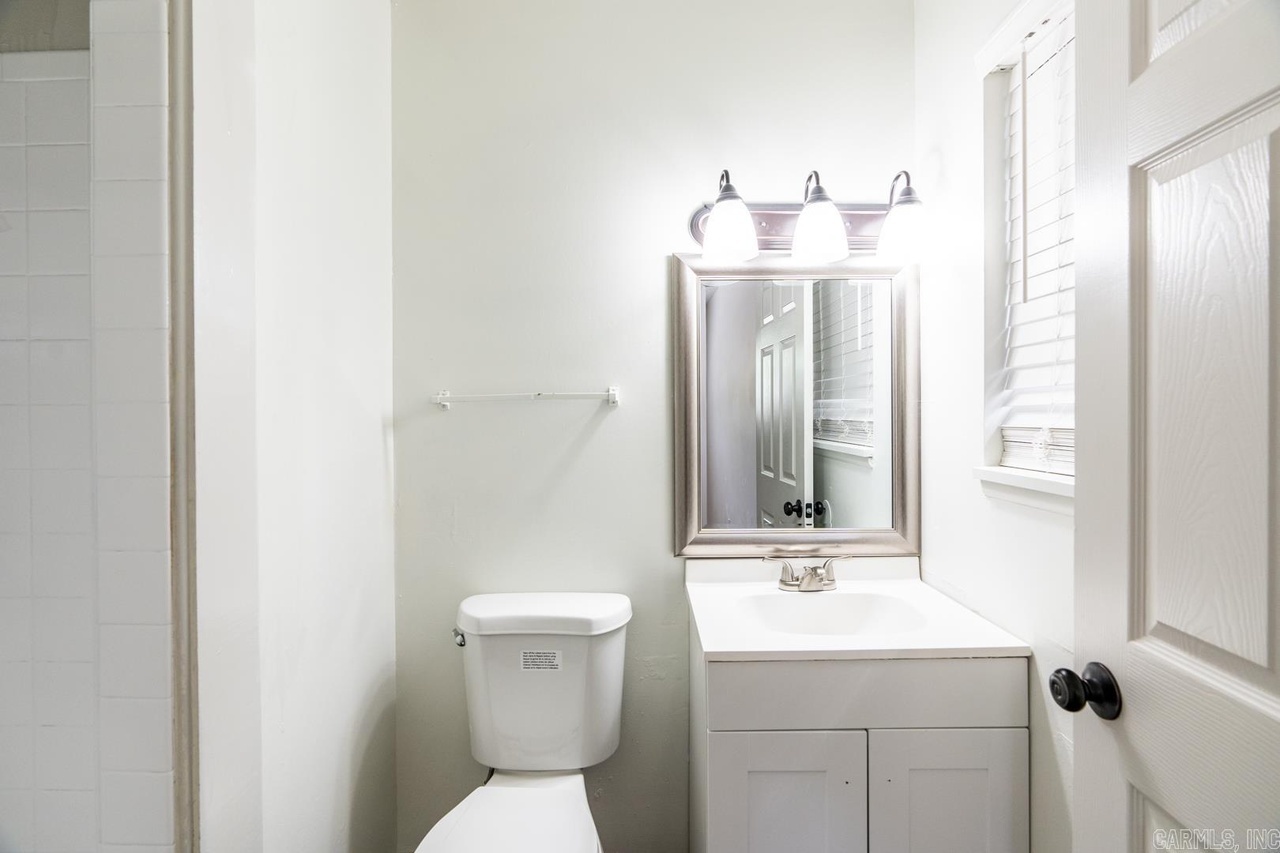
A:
85,686
294,489
547,158
1011,563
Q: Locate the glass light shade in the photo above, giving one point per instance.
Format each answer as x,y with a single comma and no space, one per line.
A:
730,233
820,237
899,241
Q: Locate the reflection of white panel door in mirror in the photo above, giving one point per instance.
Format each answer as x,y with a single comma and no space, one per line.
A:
784,406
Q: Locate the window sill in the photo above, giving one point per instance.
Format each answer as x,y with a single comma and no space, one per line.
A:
1049,492
847,449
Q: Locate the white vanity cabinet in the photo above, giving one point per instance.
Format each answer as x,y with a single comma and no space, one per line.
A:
859,756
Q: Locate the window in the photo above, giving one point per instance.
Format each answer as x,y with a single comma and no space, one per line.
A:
843,363
1034,398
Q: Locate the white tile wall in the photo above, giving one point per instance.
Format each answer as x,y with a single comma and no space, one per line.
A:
86,757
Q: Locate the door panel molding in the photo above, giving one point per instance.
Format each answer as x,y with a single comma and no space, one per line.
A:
1217,76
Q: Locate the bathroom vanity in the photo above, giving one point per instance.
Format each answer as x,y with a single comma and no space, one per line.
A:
880,716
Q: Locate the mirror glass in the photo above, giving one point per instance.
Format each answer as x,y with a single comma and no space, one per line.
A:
797,405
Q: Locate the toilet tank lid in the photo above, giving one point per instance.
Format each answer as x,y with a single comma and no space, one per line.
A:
570,613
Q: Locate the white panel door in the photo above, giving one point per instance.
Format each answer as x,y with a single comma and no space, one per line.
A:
787,792
1178,422
784,404
953,790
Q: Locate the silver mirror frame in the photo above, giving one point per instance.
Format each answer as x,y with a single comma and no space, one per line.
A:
692,540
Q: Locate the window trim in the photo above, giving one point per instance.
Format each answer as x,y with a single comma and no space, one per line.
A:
997,59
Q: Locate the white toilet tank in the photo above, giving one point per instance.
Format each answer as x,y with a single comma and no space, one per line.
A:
544,677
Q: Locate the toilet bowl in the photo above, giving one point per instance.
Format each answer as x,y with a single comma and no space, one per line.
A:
543,675
520,813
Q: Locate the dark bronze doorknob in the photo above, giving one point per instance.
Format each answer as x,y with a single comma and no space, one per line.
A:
795,509
1096,688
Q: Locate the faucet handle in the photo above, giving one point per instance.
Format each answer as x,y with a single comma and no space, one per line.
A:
788,572
828,568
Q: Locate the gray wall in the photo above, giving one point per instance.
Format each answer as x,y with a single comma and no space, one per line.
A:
547,157
44,25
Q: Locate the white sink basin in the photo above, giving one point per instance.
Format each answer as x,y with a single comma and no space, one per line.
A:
740,614
819,613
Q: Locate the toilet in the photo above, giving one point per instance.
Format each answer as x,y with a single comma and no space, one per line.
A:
543,674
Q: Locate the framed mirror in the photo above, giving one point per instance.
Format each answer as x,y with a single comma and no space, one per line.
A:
797,408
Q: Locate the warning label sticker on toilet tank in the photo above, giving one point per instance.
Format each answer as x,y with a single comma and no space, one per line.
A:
539,660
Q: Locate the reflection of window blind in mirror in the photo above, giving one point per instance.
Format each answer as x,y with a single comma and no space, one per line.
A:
843,410
1038,396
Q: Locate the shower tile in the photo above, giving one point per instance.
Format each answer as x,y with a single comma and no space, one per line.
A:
130,143
46,65
59,307
131,218
65,694
62,565
13,112
15,629
61,437
15,502
131,366
137,808
136,734
131,292
58,112
58,177
66,820
13,243
66,758
64,629
61,501
14,357
130,69
17,758
13,178
61,372
15,699
17,816
129,16
58,242
133,513
133,439
134,662
133,587
13,307
15,448
15,565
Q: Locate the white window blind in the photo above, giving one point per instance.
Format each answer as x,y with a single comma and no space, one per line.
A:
1038,387
843,358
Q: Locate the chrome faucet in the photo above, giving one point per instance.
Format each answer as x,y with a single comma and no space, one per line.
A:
810,578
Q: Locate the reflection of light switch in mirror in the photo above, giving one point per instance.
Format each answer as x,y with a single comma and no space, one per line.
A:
798,404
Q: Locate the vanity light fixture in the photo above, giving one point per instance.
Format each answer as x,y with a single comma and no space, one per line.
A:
899,241
820,233
817,231
730,231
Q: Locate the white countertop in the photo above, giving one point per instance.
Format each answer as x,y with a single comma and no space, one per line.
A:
919,622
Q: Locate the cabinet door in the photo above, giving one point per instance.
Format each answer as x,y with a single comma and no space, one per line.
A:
959,790
787,792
